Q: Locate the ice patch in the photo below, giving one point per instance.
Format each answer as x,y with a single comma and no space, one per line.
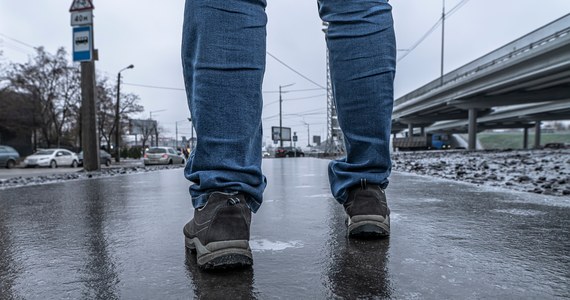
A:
267,245
304,186
521,212
319,196
395,217
432,200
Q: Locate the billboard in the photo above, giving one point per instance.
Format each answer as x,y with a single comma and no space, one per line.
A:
317,140
285,134
145,127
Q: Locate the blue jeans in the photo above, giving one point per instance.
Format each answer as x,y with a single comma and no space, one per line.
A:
223,55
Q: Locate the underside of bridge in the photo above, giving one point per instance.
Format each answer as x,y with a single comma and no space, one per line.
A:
516,86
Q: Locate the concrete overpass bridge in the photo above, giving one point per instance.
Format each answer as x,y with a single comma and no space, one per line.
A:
516,86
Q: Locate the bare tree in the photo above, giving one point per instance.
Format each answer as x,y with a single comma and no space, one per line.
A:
54,87
106,103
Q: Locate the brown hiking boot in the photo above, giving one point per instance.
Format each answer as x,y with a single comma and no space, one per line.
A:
368,213
219,232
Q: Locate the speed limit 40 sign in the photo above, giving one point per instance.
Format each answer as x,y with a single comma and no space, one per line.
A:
79,18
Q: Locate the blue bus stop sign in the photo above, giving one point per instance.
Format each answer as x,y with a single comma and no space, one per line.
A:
82,43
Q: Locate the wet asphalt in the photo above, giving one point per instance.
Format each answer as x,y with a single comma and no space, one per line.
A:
121,238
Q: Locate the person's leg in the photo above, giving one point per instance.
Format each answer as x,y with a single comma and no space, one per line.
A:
223,54
362,52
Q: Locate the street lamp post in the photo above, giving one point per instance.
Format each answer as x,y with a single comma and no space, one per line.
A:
176,124
308,134
281,113
117,116
154,124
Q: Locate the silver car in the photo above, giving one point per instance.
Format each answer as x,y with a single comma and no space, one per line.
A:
162,156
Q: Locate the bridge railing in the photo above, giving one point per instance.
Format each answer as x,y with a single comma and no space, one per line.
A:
539,38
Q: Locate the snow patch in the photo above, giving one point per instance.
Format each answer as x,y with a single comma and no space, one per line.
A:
267,245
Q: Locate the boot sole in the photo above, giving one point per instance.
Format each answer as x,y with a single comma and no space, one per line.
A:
221,255
369,227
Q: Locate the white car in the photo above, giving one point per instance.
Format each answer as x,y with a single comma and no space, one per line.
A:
52,158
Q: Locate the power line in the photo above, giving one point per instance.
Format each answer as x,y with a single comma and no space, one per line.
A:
302,98
432,29
295,71
316,111
18,41
292,91
154,86
294,99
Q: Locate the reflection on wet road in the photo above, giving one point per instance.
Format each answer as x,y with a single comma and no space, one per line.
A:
121,237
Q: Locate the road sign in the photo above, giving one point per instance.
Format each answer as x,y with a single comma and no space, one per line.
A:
82,43
80,5
79,18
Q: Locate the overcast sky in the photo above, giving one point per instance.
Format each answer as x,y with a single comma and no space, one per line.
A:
147,34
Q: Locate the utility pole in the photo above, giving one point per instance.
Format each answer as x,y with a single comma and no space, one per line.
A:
281,113
118,117
334,142
154,126
280,119
442,40
84,52
176,126
308,136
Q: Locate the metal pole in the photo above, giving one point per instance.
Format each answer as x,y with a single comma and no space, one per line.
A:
117,153
280,119
117,115
176,141
308,136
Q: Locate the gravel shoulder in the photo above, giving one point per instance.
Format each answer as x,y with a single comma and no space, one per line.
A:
536,171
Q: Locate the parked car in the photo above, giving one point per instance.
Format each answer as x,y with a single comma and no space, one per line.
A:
289,152
9,157
162,156
104,158
52,158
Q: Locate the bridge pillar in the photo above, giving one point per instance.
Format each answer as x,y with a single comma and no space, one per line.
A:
537,135
422,131
410,130
525,138
472,129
